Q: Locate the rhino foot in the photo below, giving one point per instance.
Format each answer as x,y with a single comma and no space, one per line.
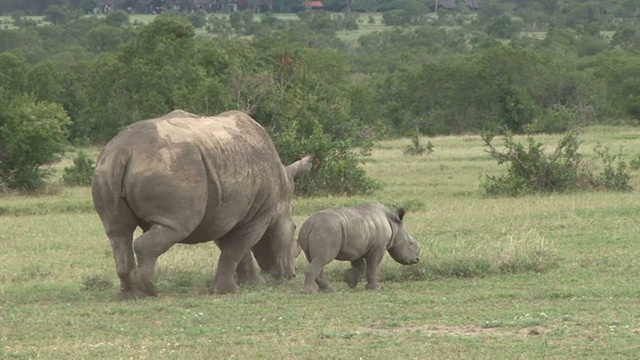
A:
145,287
352,277
308,290
224,287
375,286
255,280
129,295
327,289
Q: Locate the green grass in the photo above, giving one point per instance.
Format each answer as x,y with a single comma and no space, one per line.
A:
534,277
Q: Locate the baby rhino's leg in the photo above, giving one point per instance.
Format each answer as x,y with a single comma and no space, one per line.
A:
323,283
313,274
373,262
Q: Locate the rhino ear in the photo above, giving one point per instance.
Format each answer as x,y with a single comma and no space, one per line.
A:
301,166
400,212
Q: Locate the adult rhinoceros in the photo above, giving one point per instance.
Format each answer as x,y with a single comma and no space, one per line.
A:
184,178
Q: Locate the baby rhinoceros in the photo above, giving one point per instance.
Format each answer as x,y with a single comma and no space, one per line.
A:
360,234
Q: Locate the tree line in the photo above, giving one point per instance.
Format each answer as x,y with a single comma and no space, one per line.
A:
82,79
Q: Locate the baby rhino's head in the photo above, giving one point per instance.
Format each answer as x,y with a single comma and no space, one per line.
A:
404,248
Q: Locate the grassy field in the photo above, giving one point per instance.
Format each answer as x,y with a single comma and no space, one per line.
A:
58,280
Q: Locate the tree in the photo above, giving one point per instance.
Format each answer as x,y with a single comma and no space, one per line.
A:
104,38
503,27
117,18
143,78
32,134
13,72
626,37
61,14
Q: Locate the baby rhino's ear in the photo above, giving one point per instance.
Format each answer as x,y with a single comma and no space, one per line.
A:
400,212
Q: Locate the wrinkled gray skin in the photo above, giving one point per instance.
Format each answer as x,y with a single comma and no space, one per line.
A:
188,179
359,234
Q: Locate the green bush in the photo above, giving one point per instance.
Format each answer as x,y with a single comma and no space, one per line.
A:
615,174
530,170
81,173
557,121
32,134
336,168
417,148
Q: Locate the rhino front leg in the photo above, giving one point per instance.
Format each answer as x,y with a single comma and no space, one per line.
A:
354,274
373,261
323,283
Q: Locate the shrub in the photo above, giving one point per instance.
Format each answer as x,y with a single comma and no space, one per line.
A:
560,120
615,174
336,168
81,173
32,134
417,148
530,170
634,164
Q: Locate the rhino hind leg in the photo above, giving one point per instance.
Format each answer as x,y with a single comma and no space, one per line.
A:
248,273
315,275
125,264
235,252
353,276
148,247
119,226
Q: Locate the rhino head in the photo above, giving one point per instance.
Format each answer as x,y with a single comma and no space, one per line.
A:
276,252
403,248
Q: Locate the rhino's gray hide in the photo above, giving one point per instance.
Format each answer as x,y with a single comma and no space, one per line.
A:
189,179
359,234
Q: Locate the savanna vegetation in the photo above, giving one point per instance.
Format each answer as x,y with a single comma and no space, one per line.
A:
509,277
444,113
320,81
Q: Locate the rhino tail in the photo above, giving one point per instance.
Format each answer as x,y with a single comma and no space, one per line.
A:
121,163
113,169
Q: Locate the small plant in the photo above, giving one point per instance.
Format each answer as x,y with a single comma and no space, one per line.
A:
417,148
615,175
81,172
634,164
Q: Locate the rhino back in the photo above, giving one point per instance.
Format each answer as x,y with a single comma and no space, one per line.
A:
220,171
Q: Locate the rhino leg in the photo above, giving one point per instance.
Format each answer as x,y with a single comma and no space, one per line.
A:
235,249
125,263
312,275
148,247
323,283
373,261
120,225
354,274
248,273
